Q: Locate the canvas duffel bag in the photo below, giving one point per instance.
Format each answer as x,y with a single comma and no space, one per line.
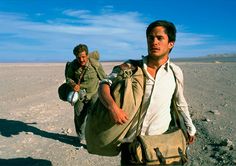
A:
103,135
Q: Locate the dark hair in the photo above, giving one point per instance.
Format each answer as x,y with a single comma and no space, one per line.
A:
170,29
80,48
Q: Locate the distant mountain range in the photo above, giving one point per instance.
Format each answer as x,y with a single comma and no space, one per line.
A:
227,57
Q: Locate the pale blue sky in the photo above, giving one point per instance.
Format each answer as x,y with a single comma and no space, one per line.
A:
37,30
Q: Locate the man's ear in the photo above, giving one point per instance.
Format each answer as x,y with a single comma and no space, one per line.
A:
171,44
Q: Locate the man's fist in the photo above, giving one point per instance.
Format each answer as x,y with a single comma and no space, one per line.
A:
76,88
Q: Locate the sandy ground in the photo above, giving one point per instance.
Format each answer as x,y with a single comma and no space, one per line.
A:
36,128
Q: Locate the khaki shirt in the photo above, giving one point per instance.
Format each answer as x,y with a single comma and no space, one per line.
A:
90,79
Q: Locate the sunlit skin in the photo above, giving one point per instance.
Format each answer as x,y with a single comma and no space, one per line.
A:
82,58
159,47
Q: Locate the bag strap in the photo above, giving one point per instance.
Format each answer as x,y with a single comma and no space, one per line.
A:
160,156
175,114
81,76
139,64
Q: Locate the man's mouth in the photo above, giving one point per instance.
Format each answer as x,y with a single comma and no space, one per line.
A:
155,49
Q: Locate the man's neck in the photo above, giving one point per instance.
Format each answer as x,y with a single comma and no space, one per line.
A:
156,62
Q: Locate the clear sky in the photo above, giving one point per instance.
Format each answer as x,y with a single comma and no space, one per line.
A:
37,30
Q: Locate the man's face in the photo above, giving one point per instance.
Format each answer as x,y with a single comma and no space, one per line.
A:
82,58
158,43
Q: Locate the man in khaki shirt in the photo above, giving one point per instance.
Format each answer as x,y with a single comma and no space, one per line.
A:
83,75
164,82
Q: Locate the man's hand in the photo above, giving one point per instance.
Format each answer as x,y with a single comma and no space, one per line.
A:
191,139
118,115
76,88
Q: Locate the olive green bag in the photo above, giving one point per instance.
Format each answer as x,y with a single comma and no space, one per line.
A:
103,135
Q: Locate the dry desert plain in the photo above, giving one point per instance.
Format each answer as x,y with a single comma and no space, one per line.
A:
36,128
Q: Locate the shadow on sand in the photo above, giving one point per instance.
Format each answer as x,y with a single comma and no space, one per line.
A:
9,128
25,162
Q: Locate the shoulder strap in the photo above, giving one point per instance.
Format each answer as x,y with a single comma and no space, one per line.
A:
82,74
133,65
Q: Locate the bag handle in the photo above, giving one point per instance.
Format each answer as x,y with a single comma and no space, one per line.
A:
71,101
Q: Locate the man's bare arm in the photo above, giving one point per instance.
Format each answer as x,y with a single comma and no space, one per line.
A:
117,114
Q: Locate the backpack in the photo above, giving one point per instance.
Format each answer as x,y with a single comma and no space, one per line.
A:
94,55
66,68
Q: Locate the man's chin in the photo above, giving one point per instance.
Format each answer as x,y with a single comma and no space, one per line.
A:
154,54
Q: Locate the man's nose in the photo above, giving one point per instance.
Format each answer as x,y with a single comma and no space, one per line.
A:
155,40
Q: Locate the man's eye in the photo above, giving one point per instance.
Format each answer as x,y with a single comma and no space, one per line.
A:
151,37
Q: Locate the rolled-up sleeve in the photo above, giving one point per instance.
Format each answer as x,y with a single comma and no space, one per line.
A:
111,77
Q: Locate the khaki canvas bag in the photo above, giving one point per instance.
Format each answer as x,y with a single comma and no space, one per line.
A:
103,136
165,149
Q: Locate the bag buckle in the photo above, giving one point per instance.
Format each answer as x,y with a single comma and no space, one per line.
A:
160,157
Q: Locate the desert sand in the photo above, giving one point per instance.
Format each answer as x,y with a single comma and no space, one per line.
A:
36,127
